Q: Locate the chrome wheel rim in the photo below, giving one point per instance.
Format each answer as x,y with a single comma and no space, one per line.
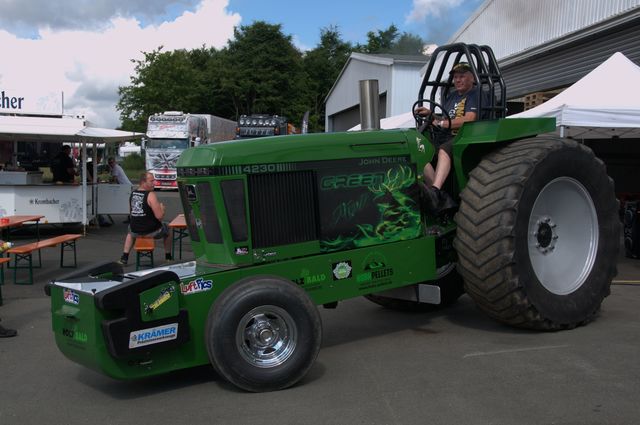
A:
563,235
266,336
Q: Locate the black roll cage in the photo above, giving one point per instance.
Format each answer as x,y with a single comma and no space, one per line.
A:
491,86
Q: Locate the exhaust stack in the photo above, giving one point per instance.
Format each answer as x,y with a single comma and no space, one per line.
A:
369,100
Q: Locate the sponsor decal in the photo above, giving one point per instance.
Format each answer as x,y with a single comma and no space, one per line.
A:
195,286
165,294
75,335
375,268
191,193
306,278
351,180
374,275
374,261
342,270
37,201
71,296
155,335
242,250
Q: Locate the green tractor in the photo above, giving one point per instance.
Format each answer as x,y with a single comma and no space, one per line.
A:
282,225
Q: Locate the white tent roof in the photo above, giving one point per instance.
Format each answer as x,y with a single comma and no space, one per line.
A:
405,120
65,129
604,103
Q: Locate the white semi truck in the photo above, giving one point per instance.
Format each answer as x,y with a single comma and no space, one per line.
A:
171,132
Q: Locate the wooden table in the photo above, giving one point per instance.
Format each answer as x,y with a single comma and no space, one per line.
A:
179,231
9,221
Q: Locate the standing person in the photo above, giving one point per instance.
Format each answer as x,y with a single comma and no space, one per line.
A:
117,173
146,213
462,106
62,166
4,332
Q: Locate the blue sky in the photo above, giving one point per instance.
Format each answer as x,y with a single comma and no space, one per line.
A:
354,19
87,48
304,20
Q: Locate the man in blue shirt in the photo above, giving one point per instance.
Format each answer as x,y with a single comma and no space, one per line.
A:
462,106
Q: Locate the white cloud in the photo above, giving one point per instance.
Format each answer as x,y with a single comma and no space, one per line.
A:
90,65
19,16
434,8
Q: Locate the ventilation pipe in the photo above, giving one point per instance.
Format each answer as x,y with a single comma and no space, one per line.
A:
369,101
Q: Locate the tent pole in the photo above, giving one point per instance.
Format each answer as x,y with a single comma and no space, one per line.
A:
94,179
562,131
83,177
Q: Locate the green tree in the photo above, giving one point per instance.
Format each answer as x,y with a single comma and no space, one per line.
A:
381,41
261,71
408,44
322,66
163,81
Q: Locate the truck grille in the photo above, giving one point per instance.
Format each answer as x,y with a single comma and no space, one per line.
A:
165,176
283,208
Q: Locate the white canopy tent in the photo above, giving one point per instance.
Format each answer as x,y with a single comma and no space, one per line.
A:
405,120
602,104
62,130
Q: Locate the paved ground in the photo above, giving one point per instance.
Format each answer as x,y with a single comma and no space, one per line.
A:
376,366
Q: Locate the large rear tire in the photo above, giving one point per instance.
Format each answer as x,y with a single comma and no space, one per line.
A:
538,234
263,334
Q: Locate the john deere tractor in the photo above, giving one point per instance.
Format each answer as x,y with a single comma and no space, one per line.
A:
282,225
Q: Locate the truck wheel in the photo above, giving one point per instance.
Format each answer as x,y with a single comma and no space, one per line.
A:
451,288
538,234
263,334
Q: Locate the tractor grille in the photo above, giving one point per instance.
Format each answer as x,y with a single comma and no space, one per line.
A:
283,208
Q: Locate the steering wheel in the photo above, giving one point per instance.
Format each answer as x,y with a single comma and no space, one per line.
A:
423,122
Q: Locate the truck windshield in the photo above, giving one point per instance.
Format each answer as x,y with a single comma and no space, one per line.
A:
167,143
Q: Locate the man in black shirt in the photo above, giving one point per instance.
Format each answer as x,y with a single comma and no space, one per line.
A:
62,166
146,213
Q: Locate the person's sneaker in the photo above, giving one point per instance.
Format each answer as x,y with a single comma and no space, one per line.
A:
5,246
122,262
7,333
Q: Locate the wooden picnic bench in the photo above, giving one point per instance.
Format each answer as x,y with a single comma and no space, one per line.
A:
23,254
144,247
2,261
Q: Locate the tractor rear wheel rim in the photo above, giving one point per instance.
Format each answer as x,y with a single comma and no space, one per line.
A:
266,336
563,235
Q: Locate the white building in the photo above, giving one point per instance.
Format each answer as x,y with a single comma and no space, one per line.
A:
398,83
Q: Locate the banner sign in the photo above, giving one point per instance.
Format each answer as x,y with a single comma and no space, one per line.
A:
27,101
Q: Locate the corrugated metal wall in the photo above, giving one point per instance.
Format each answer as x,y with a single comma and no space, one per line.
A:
404,90
565,65
512,26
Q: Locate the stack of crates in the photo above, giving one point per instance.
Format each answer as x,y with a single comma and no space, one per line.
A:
534,99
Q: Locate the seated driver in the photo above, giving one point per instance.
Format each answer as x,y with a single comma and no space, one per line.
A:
461,106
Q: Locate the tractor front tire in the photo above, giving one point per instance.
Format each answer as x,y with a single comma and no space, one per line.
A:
263,334
538,234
